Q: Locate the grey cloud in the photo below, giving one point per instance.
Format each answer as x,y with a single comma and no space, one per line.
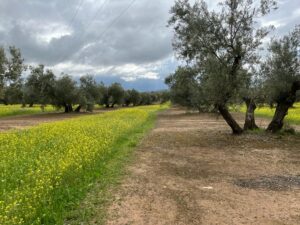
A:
47,31
287,15
26,20
128,46
138,36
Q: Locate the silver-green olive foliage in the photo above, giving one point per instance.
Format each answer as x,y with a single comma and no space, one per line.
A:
39,86
88,90
282,66
116,93
65,91
131,97
11,68
183,85
219,42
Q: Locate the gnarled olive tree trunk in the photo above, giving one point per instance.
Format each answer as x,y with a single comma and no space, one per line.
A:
284,102
3,101
78,108
235,127
68,108
250,118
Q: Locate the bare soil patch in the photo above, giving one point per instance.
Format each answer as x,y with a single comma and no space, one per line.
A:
191,170
26,121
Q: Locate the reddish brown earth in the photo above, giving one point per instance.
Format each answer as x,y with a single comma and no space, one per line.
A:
191,170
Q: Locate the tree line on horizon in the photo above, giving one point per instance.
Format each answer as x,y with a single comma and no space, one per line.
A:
43,87
225,63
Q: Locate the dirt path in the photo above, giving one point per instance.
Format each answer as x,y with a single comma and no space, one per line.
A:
191,170
25,121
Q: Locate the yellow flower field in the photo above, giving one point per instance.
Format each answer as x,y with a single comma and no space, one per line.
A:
13,110
292,117
41,167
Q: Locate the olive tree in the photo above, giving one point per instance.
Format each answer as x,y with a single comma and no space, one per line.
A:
104,95
15,65
163,96
252,95
89,93
145,98
11,68
221,43
66,93
281,71
135,97
3,62
131,97
116,94
13,79
185,88
39,86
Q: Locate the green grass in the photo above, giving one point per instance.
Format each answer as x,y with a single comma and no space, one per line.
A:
293,116
47,171
15,110
95,202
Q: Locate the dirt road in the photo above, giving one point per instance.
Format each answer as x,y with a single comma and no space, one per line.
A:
191,170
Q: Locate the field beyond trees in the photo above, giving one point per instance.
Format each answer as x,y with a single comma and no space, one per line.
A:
293,116
15,110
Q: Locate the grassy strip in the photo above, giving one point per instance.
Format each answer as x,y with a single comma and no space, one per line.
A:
47,170
94,205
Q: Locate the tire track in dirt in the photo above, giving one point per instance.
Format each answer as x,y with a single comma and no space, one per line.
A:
185,171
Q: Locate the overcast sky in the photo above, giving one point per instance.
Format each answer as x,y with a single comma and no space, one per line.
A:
116,40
